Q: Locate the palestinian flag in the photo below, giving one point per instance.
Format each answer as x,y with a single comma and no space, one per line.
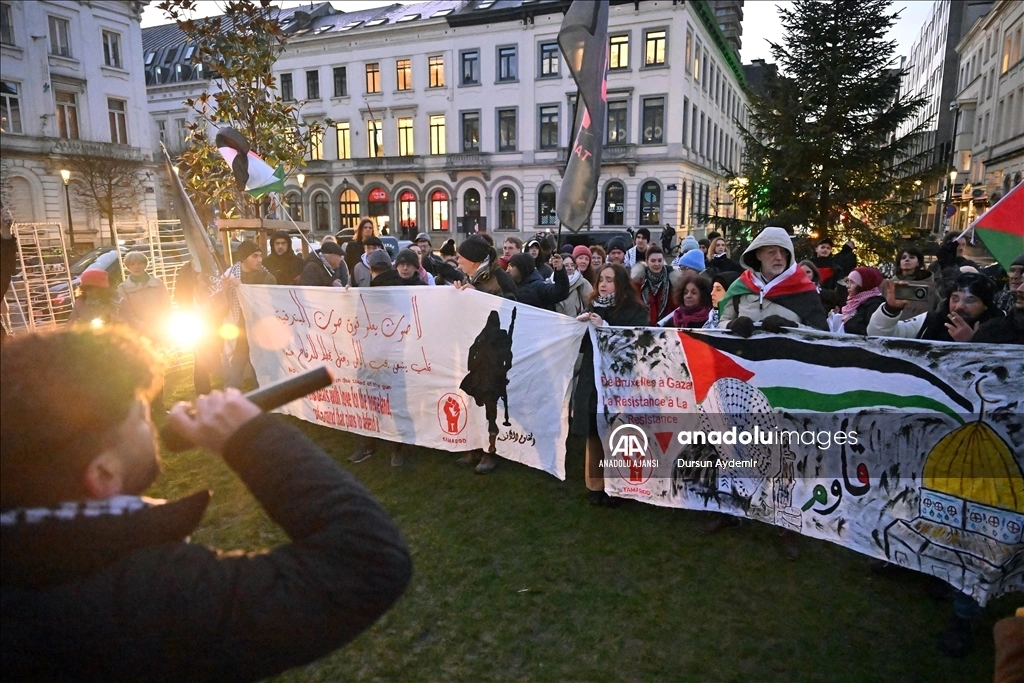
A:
252,174
1001,228
818,376
789,289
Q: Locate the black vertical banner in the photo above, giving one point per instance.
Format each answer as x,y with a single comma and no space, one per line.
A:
583,39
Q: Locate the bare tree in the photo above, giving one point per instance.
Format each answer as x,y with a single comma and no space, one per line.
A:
111,186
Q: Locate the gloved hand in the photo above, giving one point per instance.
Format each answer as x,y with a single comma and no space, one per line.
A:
742,327
776,323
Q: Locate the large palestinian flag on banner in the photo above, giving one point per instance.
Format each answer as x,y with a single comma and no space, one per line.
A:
807,375
1001,228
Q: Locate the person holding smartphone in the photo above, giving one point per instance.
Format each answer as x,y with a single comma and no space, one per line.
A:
968,305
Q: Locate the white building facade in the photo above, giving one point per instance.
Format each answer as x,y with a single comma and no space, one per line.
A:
989,147
72,84
449,114
932,67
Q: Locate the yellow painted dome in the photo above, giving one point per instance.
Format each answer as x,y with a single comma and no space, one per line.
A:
974,463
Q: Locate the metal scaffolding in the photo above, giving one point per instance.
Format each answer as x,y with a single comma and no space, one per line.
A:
41,294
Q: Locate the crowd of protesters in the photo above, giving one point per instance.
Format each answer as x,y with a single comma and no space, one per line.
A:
764,288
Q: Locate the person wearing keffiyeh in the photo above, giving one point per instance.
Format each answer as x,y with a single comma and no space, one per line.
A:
772,290
655,280
863,297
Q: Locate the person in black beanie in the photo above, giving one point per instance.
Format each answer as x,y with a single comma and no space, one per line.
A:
326,269
479,261
968,305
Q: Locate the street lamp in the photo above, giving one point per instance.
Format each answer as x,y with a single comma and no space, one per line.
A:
302,195
66,176
950,215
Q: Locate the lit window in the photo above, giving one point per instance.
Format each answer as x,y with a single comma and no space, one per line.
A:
618,57
316,145
437,134
439,210
405,144
373,78
344,140
436,67
506,209
654,48
67,114
403,72
374,139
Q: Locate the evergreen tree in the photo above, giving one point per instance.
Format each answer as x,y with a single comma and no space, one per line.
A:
238,49
822,152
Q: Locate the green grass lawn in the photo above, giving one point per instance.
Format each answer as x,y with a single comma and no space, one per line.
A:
516,577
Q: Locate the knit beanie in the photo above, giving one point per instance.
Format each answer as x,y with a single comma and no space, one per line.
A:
616,244
692,259
580,251
688,244
524,263
331,248
448,248
865,277
95,277
475,249
246,249
408,257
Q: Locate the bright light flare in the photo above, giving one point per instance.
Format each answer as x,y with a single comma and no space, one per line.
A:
96,323
228,331
184,329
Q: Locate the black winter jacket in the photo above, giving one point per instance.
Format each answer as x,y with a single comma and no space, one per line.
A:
315,274
536,291
285,269
125,597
